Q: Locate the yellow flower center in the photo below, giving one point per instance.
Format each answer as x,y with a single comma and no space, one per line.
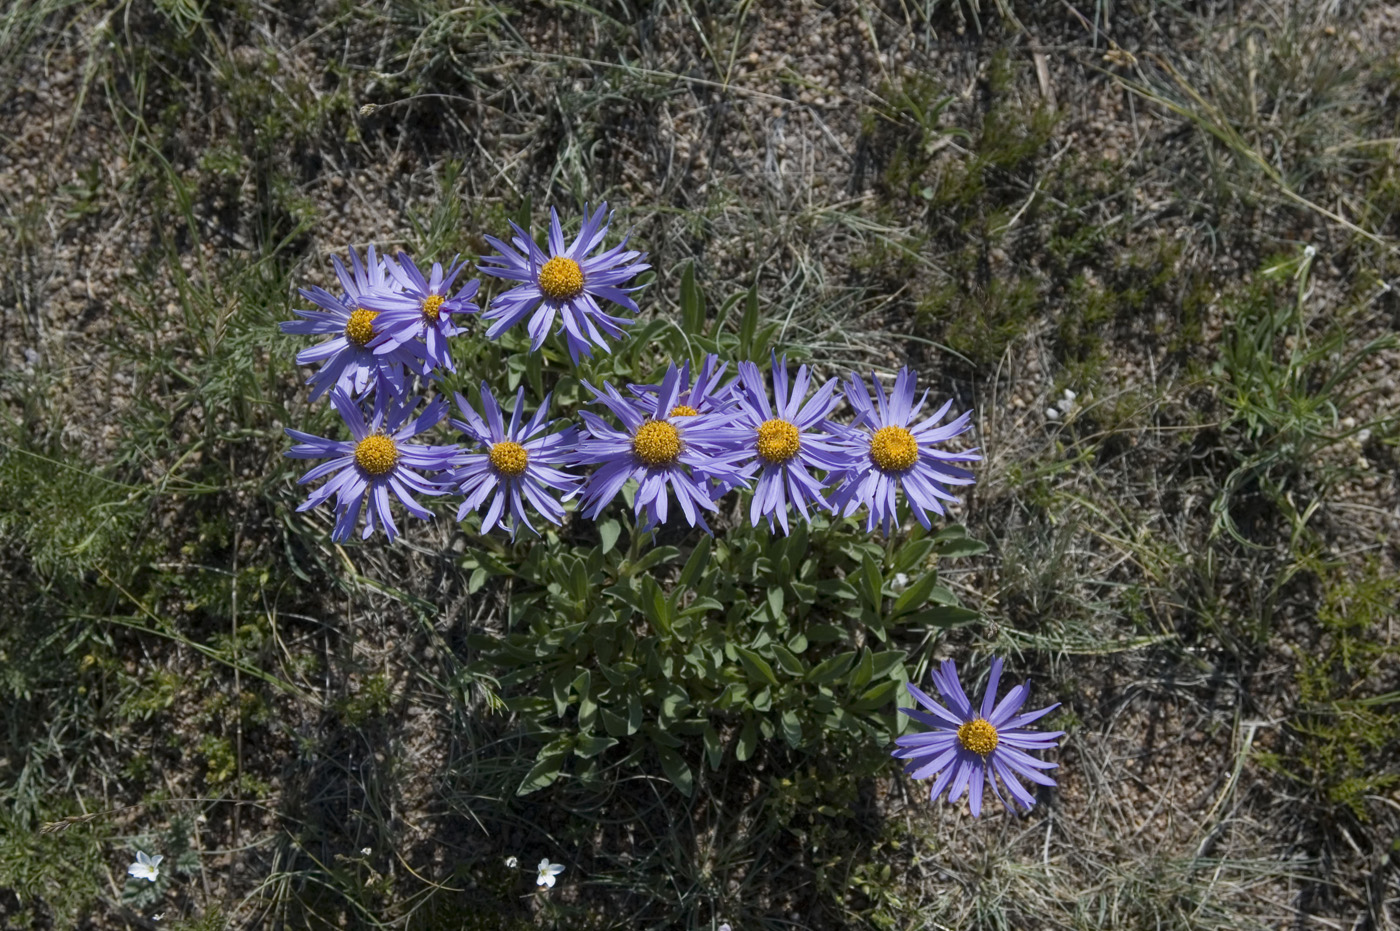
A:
778,441
893,449
684,410
431,303
657,443
509,458
561,279
979,736
376,454
359,329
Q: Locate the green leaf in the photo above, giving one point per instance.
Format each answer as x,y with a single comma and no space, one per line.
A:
615,724
877,696
954,541
587,706
692,303
887,663
733,695
748,741
837,588
872,581
722,315
792,728
790,663
910,557
651,558
548,762
695,565
830,670
775,603
864,671
656,605
559,687
915,595
764,339
714,747
674,703
522,214
579,586
701,606
756,666
677,770
941,594
590,745
608,530
662,737
825,633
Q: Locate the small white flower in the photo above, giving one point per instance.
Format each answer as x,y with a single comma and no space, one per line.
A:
1069,398
1051,414
366,851
145,867
724,927
512,863
900,582
547,873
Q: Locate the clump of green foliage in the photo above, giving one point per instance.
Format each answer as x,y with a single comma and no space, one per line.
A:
749,638
710,648
1285,377
1345,733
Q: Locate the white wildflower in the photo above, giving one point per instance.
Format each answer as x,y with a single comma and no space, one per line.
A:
145,867
547,873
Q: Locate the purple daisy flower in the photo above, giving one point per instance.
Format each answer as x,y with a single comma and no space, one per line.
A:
658,448
564,281
364,279
705,395
787,439
422,311
347,360
887,447
519,464
377,461
971,747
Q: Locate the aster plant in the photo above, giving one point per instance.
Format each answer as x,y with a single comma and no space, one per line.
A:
887,447
703,395
420,316
696,455
973,747
378,461
565,281
518,464
788,439
347,359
